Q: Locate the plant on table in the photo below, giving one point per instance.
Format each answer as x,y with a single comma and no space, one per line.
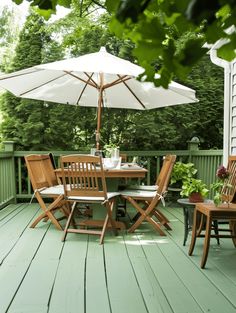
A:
194,189
109,148
222,175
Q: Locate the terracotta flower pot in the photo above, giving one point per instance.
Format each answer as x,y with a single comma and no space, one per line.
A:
195,197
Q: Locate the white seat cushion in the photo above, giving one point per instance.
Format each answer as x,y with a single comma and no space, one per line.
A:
138,193
110,195
142,187
53,190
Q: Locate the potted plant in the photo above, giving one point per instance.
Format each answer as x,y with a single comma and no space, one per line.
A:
182,172
222,188
194,189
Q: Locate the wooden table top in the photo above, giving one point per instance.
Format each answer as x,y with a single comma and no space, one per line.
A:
116,173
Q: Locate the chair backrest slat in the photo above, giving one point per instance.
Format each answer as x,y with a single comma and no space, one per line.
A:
163,178
83,175
166,170
40,170
229,188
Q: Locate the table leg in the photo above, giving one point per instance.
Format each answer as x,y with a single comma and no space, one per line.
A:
206,241
194,232
186,225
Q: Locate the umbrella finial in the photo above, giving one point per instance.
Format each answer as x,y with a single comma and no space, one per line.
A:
103,49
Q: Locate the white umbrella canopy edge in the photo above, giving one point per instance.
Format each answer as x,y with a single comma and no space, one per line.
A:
64,88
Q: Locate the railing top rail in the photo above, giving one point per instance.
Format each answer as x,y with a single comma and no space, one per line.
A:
134,152
4,154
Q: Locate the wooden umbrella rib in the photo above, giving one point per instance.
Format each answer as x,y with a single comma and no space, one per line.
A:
92,83
21,74
49,81
117,81
86,84
131,91
90,78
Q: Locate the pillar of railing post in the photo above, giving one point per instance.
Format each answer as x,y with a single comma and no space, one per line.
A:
9,147
193,145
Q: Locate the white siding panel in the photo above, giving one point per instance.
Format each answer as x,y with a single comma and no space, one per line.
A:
233,143
234,101
234,90
233,132
234,67
233,122
234,110
233,151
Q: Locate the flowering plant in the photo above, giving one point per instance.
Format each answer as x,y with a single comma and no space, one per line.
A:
222,175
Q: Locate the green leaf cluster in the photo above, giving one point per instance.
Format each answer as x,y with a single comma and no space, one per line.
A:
182,172
160,31
193,185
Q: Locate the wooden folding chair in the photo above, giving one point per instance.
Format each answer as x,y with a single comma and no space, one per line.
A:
44,183
206,213
150,197
84,182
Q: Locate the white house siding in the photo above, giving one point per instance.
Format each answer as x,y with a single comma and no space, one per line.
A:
233,110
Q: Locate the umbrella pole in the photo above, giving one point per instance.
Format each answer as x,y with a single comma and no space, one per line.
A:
99,112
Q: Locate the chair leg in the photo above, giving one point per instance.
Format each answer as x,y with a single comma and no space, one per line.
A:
68,222
150,220
201,225
103,230
206,241
156,226
47,215
163,220
215,225
47,211
194,232
232,227
109,206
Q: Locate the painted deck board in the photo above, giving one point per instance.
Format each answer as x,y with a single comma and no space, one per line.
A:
11,231
68,291
141,272
96,286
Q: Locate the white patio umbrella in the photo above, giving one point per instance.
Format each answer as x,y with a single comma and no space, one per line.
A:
94,80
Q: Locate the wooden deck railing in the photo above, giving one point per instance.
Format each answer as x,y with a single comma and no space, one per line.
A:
7,179
15,184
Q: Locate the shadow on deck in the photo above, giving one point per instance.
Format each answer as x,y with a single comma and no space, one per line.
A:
130,273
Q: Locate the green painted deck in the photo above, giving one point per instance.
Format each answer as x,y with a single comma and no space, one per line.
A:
137,273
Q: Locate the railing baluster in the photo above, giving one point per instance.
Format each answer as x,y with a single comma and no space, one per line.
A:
19,176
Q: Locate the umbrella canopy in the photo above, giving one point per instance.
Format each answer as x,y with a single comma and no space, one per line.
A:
98,80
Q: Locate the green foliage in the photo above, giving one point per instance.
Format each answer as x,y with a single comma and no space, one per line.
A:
182,172
159,28
32,124
9,32
217,187
193,185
